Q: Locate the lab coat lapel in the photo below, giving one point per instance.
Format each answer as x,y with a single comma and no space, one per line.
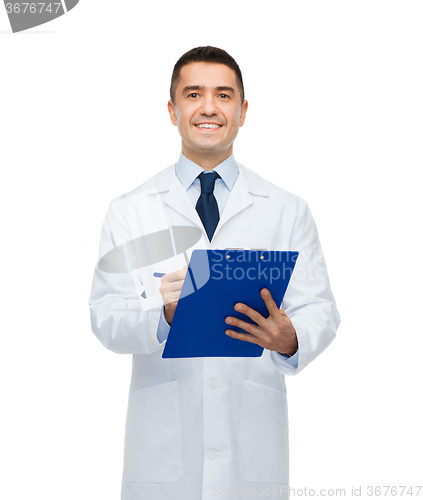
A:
246,186
178,199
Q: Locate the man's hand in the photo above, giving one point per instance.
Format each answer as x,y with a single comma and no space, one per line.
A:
171,290
275,333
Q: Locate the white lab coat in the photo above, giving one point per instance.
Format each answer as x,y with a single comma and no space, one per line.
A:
200,428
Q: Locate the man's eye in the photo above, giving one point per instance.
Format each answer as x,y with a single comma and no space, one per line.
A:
224,96
194,94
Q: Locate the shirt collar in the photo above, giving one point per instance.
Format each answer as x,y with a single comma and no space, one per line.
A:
187,171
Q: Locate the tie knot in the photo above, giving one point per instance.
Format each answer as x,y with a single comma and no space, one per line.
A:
207,180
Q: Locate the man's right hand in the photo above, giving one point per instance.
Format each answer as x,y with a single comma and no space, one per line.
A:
171,290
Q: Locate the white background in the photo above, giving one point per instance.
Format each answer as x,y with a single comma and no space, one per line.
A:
335,116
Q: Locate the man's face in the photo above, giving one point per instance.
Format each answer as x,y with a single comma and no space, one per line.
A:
207,110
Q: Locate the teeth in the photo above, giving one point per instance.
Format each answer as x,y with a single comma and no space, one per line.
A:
208,125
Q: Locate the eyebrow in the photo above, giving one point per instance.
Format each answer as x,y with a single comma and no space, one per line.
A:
188,88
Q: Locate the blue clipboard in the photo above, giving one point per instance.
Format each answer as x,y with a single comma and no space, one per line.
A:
215,281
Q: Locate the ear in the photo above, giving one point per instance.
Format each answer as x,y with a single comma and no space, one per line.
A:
244,108
172,112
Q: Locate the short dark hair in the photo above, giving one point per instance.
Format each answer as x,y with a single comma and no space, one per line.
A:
205,54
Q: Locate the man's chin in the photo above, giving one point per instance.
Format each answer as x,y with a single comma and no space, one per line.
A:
208,147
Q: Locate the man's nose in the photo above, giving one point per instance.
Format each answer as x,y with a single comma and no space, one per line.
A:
208,106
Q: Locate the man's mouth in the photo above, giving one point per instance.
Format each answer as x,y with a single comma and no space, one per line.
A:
208,125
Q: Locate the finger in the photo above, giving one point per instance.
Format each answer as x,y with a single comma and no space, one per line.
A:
170,295
248,327
251,313
171,288
283,313
169,299
270,303
174,276
173,285
243,336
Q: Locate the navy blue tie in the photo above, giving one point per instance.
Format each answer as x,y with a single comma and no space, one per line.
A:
207,205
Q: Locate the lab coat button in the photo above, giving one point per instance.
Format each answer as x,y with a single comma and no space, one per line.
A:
211,454
213,385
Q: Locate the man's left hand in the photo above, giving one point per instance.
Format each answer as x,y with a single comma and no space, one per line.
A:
275,333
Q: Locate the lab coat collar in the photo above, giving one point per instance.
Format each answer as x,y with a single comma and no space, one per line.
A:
247,186
252,182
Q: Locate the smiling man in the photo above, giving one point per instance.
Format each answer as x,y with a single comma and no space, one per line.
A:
207,113
200,428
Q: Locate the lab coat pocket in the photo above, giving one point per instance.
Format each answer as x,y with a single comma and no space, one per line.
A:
263,436
153,439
